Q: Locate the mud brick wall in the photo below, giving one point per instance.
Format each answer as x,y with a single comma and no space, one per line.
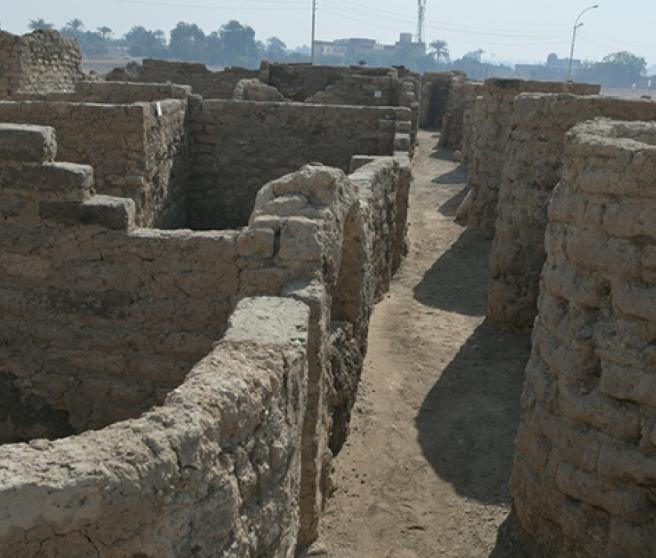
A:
298,82
532,169
111,316
435,96
239,146
382,91
134,151
584,472
218,464
493,130
40,62
204,82
470,118
462,95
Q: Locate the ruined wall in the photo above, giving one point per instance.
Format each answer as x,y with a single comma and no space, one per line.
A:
583,478
112,317
137,151
462,95
533,164
301,81
204,82
259,142
40,62
492,131
470,119
435,96
102,307
218,464
360,90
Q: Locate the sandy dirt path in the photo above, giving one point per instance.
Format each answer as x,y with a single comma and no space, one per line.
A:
425,471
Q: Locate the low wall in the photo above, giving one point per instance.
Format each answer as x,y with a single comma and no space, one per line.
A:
204,82
532,169
239,146
218,463
493,128
584,472
40,62
137,151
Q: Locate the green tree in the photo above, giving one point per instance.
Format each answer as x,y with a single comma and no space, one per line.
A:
142,42
105,32
238,44
39,24
276,49
188,42
440,50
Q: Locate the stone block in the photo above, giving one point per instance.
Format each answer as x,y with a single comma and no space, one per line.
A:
24,143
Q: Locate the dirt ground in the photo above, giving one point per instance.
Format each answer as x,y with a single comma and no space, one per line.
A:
425,471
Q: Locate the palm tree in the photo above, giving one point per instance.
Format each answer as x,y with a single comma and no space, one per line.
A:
440,50
105,32
75,25
40,23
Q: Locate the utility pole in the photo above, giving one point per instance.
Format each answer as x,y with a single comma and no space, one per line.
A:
314,27
577,25
420,20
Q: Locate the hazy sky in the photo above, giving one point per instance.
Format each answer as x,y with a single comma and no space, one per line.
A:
513,30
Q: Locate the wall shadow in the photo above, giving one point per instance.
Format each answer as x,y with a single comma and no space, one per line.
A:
457,281
449,207
467,424
507,544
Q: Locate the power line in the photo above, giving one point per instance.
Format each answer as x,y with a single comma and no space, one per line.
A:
366,10
456,41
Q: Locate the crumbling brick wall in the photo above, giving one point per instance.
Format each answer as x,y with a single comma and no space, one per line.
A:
532,169
492,131
137,151
583,477
259,142
301,81
149,305
218,464
204,82
40,62
462,94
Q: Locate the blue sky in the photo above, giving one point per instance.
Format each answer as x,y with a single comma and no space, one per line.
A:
509,30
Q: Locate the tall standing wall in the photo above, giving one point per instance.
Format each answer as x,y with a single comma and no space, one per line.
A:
584,474
40,62
492,132
532,169
461,95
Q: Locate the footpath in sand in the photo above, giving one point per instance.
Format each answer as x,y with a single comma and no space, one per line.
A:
426,468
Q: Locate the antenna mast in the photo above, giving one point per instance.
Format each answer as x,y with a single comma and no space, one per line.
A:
420,20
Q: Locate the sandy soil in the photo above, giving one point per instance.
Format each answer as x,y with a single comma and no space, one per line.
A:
425,470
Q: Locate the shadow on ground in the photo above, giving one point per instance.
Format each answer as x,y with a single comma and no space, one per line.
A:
467,423
449,207
507,543
466,259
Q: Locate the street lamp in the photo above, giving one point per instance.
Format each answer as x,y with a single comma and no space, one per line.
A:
576,27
